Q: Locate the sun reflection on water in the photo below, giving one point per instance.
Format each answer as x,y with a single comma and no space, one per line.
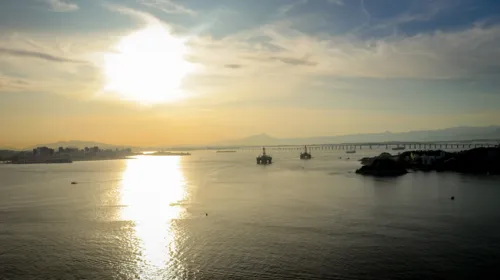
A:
150,187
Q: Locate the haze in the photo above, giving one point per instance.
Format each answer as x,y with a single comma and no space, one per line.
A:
165,72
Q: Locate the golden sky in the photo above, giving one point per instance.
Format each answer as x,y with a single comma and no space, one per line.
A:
170,73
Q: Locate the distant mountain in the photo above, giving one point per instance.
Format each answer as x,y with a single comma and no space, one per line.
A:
448,134
463,133
78,144
254,140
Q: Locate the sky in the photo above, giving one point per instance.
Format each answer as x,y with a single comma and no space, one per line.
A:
177,72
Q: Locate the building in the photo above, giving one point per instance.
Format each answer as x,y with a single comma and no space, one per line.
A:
43,151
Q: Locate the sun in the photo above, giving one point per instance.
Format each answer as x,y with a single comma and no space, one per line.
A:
147,66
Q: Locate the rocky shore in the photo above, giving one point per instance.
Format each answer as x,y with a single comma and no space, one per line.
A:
474,161
382,167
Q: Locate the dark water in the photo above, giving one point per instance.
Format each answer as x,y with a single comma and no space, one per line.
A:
146,218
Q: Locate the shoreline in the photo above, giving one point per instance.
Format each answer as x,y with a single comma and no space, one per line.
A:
474,161
72,161
90,159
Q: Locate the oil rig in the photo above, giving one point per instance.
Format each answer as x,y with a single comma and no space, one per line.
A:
264,158
305,154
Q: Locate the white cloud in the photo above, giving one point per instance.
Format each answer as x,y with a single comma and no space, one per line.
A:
460,54
336,2
13,84
37,55
167,6
57,64
286,8
61,5
429,11
238,67
143,17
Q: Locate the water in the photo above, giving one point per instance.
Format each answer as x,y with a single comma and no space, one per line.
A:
146,218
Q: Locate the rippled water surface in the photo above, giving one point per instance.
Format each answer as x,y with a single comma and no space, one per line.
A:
221,216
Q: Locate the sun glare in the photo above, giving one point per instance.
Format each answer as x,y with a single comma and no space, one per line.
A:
151,187
147,66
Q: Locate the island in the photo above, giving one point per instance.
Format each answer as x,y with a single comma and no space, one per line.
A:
382,166
473,161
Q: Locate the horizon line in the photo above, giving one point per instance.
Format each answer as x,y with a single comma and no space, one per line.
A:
222,142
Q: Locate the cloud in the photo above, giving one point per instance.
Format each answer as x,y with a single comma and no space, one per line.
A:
364,10
293,61
288,7
285,9
139,15
233,66
468,53
426,12
37,55
283,59
273,65
269,54
336,2
167,6
13,84
35,62
61,5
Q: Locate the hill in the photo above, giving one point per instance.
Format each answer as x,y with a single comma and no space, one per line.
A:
448,134
254,140
457,134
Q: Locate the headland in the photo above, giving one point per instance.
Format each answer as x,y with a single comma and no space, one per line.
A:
474,161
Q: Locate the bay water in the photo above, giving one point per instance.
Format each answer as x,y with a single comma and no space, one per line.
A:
220,216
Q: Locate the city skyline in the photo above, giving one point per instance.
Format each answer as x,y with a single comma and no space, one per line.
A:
150,73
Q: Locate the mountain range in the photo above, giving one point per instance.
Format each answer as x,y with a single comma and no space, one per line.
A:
449,134
463,133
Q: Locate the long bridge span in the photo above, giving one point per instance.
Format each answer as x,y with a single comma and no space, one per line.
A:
381,145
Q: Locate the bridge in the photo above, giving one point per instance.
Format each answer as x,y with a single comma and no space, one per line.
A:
382,145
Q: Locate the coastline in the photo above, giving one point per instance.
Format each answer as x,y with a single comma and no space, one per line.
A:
474,161
101,159
66,162
71,160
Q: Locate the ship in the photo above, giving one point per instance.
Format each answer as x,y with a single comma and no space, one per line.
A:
264,159
225,151
305,154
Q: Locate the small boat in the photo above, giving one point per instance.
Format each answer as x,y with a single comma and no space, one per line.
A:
264,158
398,148
305,154
351,152
74,183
